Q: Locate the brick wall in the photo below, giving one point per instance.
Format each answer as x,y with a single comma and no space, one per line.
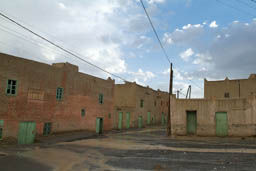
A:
36,96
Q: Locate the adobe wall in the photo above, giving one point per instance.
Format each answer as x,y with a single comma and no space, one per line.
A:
36,97
241,114
236,88
127,99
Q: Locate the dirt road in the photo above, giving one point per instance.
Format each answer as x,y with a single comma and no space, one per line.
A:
145,149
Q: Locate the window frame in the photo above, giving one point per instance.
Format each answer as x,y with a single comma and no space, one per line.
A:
47,128
57,94
7,88
83,112
226,95
101,98
141,103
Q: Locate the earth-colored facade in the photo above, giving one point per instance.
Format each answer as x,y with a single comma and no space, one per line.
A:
56,94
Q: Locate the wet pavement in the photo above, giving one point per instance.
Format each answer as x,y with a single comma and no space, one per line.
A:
144,149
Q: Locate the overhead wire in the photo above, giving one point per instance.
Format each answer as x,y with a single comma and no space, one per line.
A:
159,41
59,47
154,30
246,4
235,8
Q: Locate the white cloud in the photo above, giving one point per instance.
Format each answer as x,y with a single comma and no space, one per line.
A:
141,77
96,30
220,50
188,33
213,24
155,1
187,54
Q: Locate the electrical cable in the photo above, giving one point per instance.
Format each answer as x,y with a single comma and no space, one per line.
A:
60,47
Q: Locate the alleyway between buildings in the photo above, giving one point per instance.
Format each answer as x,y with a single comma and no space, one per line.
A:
144,149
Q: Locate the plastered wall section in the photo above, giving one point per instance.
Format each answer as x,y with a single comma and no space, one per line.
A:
241,114
236,88
36,96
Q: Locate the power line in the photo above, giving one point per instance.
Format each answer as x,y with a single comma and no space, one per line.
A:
242,2
235,8
151,23
52,43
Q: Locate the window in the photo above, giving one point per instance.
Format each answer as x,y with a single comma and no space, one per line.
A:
155,103
101,98
47,128
59,93
109,115
11,87
161,103
83,112
141,103
226,95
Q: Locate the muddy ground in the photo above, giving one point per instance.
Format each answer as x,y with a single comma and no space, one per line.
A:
145,149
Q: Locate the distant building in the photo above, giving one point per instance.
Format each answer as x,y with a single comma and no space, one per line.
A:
37,98
138,106
238,88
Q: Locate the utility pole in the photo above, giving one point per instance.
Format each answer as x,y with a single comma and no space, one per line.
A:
169,130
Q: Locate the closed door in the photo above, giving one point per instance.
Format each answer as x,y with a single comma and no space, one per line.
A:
163,117
99,125
120,120
191,122
1,129
128,115
154,120
149,118
140,122
27,132
221,124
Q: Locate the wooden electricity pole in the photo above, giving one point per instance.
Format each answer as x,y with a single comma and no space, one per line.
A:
169,130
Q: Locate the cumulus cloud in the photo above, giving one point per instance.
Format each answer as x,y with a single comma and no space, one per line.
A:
98,31
141,77
223,51
188,34
186,54
213,24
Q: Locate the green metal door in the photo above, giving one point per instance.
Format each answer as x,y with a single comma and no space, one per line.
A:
99,125
163,117
120,120
149,118
221,124
128,115
1,129
191,122
27,132
140,122
154,119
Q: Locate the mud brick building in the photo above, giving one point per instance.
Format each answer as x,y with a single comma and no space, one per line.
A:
237,88
228,109
138,106
38,98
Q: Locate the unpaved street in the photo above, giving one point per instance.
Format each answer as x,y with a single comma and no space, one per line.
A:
145,149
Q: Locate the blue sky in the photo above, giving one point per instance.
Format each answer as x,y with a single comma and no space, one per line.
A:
204,39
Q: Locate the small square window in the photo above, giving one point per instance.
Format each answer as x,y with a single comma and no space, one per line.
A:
59,93
226,95
141,103
11,88
82,112
47,128
100,98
